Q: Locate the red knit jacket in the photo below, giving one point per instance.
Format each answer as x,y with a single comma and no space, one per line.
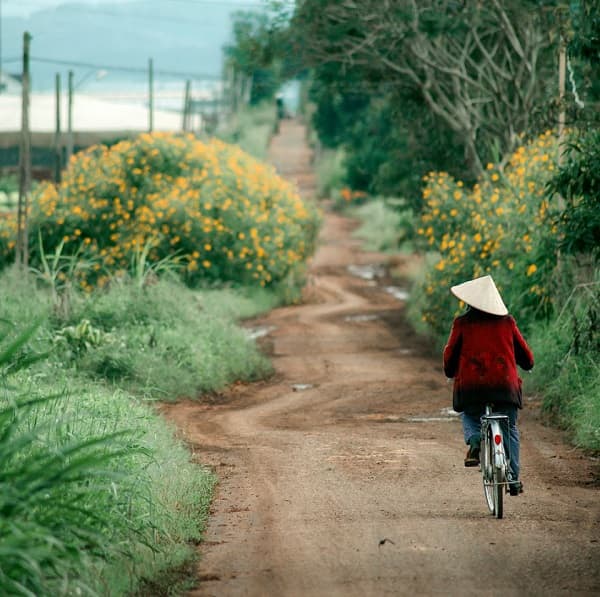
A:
482,355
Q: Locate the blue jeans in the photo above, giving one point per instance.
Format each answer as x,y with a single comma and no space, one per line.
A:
472,425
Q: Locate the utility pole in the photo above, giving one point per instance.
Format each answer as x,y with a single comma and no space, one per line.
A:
22,247
150,95
1,69
70,141
57,133
187,106
562,76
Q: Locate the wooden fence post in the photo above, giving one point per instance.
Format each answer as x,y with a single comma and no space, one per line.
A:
22,245
57,134
186,107
70,140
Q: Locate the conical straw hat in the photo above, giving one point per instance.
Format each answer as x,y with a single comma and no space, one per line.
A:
482,294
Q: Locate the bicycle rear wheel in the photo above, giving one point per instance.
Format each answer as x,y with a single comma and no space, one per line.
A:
487,470
498,492
493,476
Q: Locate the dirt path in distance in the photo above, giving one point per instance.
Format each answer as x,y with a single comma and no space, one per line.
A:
343,475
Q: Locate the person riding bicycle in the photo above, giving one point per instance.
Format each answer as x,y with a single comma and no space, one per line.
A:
483,351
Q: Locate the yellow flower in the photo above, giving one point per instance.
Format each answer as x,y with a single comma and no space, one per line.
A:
531,269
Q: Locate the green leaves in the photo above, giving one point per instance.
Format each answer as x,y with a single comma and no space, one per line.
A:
578,182
57,506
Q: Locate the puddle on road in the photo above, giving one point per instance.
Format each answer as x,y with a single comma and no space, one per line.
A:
301,387
359,318
259,332
446,414
400,293
367,272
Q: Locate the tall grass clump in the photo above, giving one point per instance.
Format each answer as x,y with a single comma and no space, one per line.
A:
386,224
330,171
252,128
96,495
164,340
161,340
567,371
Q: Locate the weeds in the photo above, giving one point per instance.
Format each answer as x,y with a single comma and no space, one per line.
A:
330,172
387,224
95,493
252,128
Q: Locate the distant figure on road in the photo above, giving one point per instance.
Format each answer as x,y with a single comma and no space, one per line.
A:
482,354
281,111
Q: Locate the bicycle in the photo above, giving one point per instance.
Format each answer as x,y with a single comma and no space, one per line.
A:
494,459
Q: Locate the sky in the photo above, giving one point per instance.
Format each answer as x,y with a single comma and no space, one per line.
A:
24,8
119,36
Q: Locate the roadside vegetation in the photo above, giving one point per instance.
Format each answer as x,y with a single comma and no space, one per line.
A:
251,127
407,105
98,497
142,263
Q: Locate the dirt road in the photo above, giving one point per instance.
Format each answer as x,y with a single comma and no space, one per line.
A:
343,475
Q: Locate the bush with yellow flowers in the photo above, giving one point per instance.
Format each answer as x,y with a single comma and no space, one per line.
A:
222,215
503,226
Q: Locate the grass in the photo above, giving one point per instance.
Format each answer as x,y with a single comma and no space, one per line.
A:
97,496
329,171
165,341
160,341
567,373
386,224
251,128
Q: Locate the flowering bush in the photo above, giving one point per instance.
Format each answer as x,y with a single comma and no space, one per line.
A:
221,213
502,226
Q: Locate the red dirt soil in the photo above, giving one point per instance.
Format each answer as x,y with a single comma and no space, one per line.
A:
343,475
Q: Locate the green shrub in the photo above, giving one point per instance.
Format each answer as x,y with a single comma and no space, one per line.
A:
578,182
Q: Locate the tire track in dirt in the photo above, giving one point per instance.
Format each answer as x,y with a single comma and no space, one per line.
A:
354,485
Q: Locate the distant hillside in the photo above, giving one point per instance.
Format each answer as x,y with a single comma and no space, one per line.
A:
183,37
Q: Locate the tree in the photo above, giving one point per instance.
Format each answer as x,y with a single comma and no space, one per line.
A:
252,58
479,68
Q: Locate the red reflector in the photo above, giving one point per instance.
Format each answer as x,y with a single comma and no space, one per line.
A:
498,439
